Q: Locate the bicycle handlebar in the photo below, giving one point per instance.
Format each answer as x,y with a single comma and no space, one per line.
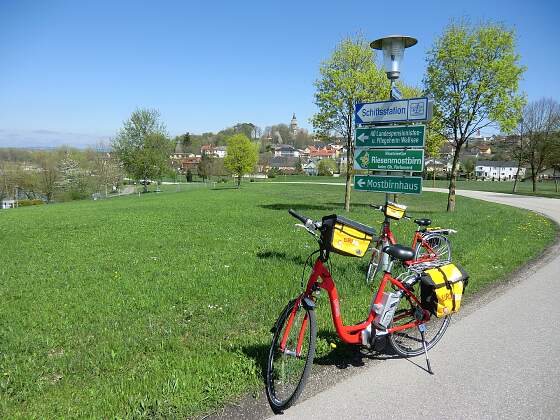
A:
300,217
308,223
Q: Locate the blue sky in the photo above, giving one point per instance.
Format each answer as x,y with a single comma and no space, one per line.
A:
72,71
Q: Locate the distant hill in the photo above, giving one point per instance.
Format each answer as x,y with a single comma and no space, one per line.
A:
48,139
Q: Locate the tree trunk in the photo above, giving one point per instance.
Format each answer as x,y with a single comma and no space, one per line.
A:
534,178
452,181
239,181
516,177
349,170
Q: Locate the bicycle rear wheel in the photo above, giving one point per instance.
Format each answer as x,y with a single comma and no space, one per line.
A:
434,246
408,342
288,369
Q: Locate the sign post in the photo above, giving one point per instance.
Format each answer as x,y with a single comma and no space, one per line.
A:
389,184
411,160
405,110
390,136
381,143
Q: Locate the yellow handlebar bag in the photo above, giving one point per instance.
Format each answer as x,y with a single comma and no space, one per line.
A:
442,289
346,237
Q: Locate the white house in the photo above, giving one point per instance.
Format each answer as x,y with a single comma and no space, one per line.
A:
7,204
498,170
285,150
440,165
220,151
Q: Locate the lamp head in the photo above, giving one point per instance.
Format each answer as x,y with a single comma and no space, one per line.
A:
393,47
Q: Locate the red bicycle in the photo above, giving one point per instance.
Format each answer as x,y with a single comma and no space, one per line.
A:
396,313
429,244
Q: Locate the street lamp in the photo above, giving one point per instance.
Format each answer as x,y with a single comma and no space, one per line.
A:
393,47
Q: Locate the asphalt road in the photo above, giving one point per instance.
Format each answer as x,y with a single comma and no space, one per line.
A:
500,360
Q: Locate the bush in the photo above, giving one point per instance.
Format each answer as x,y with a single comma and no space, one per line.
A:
26,203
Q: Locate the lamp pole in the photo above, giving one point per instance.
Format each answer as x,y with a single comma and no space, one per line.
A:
393,47
520,151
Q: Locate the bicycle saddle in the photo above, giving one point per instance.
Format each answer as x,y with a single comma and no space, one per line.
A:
400,252
423,222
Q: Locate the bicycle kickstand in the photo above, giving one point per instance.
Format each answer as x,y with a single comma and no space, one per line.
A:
422,329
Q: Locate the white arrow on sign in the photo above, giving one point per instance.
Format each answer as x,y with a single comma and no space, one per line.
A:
361,182
363,137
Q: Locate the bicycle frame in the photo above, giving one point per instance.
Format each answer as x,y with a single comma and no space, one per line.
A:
350,334
387,235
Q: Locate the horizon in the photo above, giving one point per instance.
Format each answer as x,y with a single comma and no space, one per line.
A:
75,72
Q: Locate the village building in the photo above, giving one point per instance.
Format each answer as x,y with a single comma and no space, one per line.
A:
7,204
190,163
498,170
310,168
287,164
285,150
213,151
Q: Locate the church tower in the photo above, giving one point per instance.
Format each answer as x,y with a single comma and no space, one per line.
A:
293,125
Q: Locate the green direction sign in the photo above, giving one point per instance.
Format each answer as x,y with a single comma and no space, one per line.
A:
410,160
388,184
395,136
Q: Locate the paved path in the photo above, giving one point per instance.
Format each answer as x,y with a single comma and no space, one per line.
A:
499,361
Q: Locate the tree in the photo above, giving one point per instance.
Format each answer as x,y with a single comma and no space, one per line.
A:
249,129
469,165
241,156
541,121
473,75
553,160
204,168
348,76
299,166
326,167
142,145
105,169
184,140
434,127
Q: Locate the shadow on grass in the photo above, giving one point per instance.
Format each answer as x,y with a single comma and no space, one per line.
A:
283,206
231,187
259,353
296,259
346,355
342,357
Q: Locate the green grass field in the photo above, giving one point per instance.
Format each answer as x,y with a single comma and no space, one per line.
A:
161,305
544,188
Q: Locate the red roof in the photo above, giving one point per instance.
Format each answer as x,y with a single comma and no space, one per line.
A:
323,153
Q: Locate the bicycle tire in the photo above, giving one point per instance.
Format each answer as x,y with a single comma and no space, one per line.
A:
281,368
438,242
408,342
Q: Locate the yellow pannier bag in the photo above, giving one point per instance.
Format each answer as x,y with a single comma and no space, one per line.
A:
442,289
346,237
394,210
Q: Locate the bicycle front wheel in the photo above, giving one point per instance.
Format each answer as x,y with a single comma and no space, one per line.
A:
434,246
288,367
408,342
